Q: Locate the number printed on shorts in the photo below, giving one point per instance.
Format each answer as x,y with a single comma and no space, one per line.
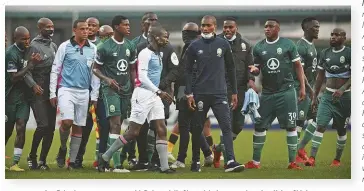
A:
292,116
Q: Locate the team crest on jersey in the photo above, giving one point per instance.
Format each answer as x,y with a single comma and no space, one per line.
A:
219,52
342,59
174,59
334,67
122,65
127,52
302,114
112,108
273,63
200,106
279,50
243,46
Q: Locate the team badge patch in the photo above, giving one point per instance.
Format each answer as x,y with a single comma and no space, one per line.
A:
200,106
174,59
243,46
302,114
342,59
219,52
279,50
127,53
112,108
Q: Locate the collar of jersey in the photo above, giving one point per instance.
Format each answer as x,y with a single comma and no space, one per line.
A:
74,43
18,48
273,41
303,38
337,51
93,40
117,42
144,36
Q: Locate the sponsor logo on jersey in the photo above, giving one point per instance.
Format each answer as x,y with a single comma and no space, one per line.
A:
243,46
219,52
122,65
273,63
279,50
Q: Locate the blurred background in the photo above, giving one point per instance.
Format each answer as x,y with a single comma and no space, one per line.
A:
250,21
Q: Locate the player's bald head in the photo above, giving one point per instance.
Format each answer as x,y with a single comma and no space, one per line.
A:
20,31
208,18
92,20
106,29
339,31
191,26
42,22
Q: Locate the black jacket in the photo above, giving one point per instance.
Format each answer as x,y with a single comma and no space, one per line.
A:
243,57
214,60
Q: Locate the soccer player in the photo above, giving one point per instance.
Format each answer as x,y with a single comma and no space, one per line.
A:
17,93
209,89
75,56
105,32
307,51
147,19
146,100
44,113
335,66
277,58
93,28
242,53
115,67
190,32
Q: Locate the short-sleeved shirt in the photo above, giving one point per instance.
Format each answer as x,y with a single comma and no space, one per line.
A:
336,63
115,58
308,54
14,62
275,60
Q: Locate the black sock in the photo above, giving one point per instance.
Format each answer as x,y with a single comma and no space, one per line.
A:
209,140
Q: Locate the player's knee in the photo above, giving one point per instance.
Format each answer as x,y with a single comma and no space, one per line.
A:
76,130
161,128
67,124
290,129
259,129
321,128
341,132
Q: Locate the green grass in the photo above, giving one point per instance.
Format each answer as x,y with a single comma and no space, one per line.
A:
274,162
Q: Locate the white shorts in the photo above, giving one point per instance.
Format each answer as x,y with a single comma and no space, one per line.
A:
145,105
73,104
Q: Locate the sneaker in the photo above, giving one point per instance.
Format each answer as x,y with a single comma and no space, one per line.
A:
71,166
16,168
171,157
310,162
79,164
95,164
294,165
217,157
153,167
61,157
120,169
234,167
208,161
102,164
251,165
132,162
335,163
303,154
178,164
195,167
43,166
168,171
299,159
139,167
32,162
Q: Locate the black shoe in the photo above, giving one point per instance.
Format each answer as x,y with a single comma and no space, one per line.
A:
132,162
71,166
140,167
61,157
234,167
43,166
153,167
32,162
103,165
168,171
79,164
195,167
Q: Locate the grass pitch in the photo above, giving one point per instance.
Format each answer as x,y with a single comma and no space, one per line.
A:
273,165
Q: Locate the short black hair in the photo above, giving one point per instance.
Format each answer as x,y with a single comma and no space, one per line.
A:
117,20
274,20
146,15
306,20
156,29
75,23
230,18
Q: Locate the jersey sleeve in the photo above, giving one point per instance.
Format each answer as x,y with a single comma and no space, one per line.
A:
143,60
257,59
133,54
56,69
293,53
100,55
322,61
10,61
302,51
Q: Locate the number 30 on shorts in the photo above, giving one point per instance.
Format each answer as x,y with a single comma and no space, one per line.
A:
292,116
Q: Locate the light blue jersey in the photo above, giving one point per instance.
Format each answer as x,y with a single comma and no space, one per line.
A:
149,70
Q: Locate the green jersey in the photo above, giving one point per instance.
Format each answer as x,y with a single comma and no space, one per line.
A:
139,39
14,62
96,41
275,60
308,54
336,63
115,58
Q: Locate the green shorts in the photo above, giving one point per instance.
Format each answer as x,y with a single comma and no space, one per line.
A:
282,105
328,109
303,106
14,111
115,105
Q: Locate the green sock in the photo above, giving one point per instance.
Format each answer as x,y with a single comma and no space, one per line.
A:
340,145
258,143
299,130
151,143
316,142
310,130
116,154
17,155
97,150
292,145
